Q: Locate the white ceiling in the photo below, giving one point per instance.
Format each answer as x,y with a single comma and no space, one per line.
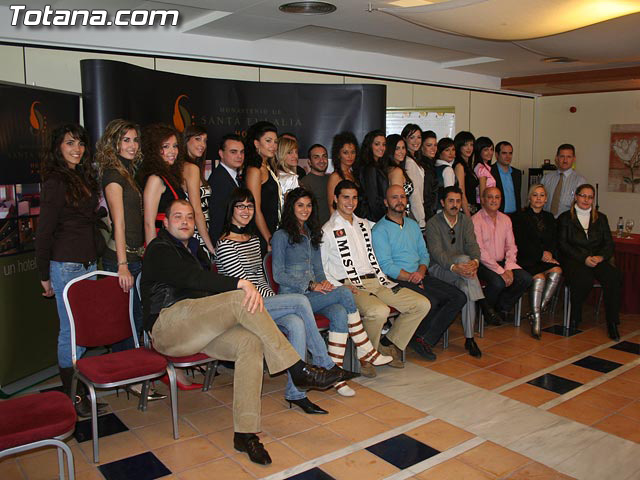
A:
255,31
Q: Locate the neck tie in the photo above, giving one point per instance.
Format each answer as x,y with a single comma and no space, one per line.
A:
555,200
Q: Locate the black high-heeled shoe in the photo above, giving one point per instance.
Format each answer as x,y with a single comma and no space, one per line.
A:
308,406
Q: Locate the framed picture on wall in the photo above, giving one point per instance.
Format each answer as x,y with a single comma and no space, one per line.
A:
624,158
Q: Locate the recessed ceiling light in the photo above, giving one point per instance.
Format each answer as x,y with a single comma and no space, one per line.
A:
308,8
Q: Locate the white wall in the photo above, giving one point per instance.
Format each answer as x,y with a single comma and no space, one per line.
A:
589,130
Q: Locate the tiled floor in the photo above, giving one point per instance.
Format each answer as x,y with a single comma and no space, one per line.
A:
561,407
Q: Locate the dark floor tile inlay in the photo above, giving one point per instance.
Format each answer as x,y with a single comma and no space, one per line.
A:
630,347
560,330
145,466
554,383
402,451
312,474
597,364
108,424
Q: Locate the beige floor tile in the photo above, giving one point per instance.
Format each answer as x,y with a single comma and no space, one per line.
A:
576,344
286,423
10,470
580,411
494,459
364,400
576,373
362,464
161,434
632,411
211,420
504,350
395,414
622,387
513,369
534,360
273,384
596,335
556,352
453,470
335,406
315,442
454,368
281,455
115,447
94,474
272,405
193,401
357,427
221,469
530,394
223,394
621,426
156,412
485,360
616,355
44,463
120,401
486,379
440,435
608,401
535,471
182,455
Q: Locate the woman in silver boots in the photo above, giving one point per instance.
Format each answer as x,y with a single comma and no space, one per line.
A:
535,234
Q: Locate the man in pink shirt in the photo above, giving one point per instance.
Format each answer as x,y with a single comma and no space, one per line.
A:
504,279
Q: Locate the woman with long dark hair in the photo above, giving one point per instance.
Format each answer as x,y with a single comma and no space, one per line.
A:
238,255
428,152
415,168
373,179
586,249
393,162
297,268
66,246
535,232
463,167
445,156
344,155
261,178
198,190
160,174
483,154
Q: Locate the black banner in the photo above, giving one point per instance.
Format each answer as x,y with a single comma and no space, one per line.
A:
313,112
28,322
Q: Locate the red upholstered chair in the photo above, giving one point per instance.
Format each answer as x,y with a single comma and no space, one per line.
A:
100,313
188,361
38,420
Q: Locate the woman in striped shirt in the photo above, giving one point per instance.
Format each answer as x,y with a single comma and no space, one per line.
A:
238,255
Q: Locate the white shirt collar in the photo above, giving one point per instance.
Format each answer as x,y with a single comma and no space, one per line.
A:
232,172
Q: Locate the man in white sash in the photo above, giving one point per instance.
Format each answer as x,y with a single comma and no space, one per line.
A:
348,259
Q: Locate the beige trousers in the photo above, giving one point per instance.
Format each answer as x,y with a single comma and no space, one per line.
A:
373,304
222,328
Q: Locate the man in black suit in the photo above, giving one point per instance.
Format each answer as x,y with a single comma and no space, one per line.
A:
508,178
223,180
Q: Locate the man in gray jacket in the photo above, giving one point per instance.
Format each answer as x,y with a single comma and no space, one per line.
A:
455,257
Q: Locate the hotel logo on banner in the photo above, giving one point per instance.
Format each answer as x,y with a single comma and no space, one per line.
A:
182,117
37,121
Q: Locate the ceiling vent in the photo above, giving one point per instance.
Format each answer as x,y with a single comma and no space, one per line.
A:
308,8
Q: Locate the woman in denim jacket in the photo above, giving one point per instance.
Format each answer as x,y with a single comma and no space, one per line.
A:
297,268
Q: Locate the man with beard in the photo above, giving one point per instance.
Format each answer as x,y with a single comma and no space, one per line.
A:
316,180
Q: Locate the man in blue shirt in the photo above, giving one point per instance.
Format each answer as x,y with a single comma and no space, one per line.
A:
508,178
403,256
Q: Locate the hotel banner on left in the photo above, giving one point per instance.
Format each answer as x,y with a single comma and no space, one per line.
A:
28,321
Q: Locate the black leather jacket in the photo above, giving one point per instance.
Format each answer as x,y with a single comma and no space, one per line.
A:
170,273
574,244
374,184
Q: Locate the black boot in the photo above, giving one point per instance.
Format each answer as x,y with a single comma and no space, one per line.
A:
612,329
306,376
81,400
490,315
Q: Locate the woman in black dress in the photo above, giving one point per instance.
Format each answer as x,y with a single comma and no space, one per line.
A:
535,234
344,154
262,180
373,179
463,167
586,250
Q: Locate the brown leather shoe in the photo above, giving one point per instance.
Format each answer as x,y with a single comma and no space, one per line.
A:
394,352
367,370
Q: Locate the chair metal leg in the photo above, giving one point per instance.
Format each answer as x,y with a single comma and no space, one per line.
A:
94,422
173,389
61,461
599,303
566,320
209,376
445,339
480,323
144,396
518,313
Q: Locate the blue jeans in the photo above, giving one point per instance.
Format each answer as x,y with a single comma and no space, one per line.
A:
60,274
335,305
134,268
293,314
